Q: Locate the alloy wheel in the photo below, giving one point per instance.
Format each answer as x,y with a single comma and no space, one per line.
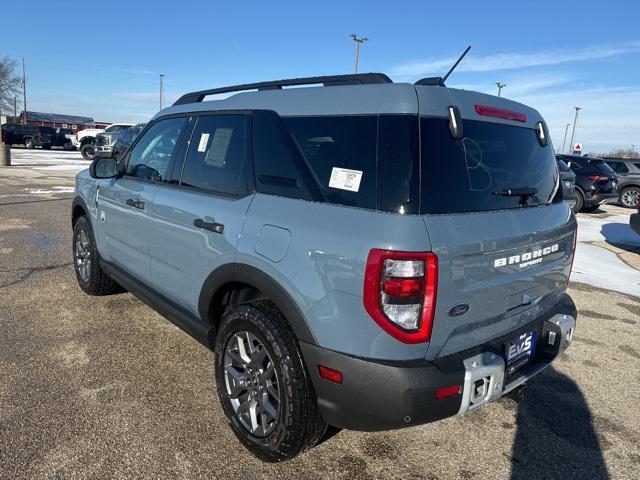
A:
251,383
83,255
630,197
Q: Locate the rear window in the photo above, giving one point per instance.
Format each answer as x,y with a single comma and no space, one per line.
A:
474,173
594,166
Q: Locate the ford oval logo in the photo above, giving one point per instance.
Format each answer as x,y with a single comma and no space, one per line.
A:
459,309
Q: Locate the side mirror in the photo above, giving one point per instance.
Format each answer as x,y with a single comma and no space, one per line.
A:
106,167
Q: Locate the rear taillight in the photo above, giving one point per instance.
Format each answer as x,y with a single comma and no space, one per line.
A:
503,113
400,293
598,178
573,251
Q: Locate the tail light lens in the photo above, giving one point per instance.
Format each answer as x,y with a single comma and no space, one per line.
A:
503,113
400,293
573,252
598,178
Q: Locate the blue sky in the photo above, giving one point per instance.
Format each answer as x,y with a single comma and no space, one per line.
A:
103,59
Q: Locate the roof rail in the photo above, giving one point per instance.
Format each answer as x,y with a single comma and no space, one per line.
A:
330,80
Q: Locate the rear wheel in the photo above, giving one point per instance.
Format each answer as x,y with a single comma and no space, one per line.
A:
86,261
88,152
629,196
579,201
68,146
30,143
263,384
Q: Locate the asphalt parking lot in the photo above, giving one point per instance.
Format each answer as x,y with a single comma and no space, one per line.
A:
106,388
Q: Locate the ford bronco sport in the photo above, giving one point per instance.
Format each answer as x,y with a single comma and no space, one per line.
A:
360,254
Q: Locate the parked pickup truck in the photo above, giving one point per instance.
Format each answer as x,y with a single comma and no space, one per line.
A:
87,138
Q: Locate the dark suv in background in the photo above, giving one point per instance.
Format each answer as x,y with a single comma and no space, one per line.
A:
31,136
596,182
628,170
567,184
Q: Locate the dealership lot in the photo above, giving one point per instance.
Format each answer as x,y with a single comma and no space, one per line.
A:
106,388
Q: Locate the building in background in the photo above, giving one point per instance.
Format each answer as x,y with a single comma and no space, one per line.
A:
55,120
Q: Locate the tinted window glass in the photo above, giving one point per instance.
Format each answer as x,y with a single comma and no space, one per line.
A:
563,167
152,156
216,160
618,167
342,147
637,165
473,173
279,167
398,163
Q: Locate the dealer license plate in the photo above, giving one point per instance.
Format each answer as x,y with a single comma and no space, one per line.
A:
520,351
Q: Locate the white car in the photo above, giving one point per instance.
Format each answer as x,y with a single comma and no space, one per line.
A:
86,138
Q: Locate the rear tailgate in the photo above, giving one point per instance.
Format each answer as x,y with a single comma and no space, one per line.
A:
506,279
504,241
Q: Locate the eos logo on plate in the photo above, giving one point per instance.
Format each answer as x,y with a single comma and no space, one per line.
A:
459,309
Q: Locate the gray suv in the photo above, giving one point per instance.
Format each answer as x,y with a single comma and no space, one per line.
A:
361,254
628,170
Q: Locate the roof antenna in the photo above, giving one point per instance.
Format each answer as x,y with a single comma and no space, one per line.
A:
444,79
439,81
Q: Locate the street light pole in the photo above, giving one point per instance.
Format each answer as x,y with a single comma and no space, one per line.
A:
573,130
358,41
564,139
500,87
24,91
161,87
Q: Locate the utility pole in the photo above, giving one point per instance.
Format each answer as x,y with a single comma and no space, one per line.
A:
15,107
24,91
161,88
500,87
358,40
564,140
573,130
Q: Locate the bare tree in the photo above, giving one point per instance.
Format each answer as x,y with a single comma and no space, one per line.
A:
619,153
10,83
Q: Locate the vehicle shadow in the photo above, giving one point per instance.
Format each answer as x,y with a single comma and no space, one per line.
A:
555,433
620,235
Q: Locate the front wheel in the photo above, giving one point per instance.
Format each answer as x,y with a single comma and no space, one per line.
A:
88,152
263,383
30,143
86,260
630,196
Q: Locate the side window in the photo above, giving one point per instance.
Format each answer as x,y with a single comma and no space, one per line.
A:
341,151
152,156
279,167
618,167
217,156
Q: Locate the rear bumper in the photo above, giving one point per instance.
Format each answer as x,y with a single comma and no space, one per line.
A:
600,198
377,396
634,221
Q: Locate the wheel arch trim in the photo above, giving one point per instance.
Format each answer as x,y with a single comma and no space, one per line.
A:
256,278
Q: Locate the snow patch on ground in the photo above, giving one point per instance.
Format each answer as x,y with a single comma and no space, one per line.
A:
599,267
41,191
48,160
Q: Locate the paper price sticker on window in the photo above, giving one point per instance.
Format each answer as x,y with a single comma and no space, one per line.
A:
345,179
204,139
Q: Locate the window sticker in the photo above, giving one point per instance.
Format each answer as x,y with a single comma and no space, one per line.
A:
204,140
345,179
217,154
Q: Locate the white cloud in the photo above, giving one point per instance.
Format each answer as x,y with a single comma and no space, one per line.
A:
509,61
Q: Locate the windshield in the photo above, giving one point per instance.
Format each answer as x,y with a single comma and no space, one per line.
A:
493,167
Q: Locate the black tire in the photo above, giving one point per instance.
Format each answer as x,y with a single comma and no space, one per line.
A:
579,201
88,152
68,146
96,282
629,196
30,143
298,425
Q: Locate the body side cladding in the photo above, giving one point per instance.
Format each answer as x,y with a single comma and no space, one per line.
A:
78,208
244,274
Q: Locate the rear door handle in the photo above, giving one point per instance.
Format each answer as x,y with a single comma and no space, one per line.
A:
135,203
211,226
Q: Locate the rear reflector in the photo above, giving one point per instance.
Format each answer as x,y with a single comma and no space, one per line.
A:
447,392
330,374
487,111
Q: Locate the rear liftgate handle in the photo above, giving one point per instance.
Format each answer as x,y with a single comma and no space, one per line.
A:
211,226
